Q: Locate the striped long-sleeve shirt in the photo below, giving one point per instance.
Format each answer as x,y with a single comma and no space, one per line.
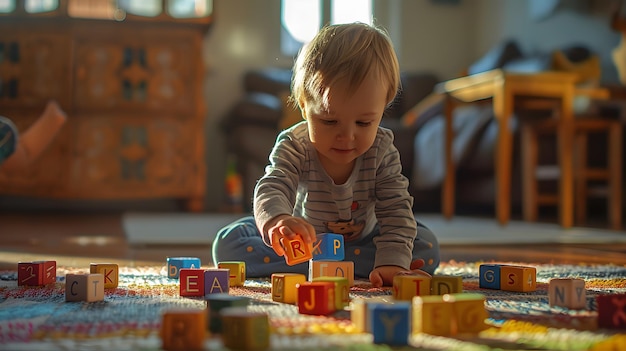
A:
295,183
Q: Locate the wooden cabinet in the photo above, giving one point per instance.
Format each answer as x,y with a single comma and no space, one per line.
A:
133,93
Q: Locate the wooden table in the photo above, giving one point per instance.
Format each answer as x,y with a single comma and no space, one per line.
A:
502,88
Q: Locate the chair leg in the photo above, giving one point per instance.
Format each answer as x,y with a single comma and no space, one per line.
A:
615,176
580,174
529,167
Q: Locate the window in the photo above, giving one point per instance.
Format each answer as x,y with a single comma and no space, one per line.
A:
301,19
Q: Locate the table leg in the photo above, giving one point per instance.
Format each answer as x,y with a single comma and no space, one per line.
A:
447,198
565,137
503,110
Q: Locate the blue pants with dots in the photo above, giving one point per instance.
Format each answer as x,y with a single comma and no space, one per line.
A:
241,241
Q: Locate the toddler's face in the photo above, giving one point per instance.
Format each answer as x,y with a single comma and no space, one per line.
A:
346,129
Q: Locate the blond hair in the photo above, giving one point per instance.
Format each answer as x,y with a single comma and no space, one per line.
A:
344,51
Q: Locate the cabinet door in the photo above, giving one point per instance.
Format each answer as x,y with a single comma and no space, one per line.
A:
134,157
48,174
150,73
34,67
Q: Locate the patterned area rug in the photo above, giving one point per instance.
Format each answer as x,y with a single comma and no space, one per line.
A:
38,318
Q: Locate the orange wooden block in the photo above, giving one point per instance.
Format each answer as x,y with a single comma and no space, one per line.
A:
84,287
518,278
446,284
316,298
296,250
191,282
567,292
245,330
343,269
432,315
342,290
407,286
284,286
36,273
469,312
110,271
183,329
237,270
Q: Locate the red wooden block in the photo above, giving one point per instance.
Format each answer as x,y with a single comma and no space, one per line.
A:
36,273
611,311
316,298
191,282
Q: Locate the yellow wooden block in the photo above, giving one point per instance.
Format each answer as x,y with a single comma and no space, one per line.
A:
469,312
296,250
567,292
407,286
432,315
358,312
110,271
183,329
84,287
284,286
343,269
342,290
245,330
237,272
518,278
446,284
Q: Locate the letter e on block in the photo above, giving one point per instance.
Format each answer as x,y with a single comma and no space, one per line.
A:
611,311
191,282
567,292
183,329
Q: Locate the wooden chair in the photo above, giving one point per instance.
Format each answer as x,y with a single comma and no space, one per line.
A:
611,175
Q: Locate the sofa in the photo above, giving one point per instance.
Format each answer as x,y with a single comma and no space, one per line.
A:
416,117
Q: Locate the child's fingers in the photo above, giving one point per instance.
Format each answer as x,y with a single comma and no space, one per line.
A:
276,245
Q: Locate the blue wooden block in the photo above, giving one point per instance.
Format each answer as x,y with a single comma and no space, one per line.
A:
391,323
216,281
329,247
489,276
175,264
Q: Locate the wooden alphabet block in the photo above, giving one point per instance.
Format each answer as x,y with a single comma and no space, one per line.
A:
359,311
183,329
316,298
216,281
391,323
567,292
284,286
446,284
343,269
518,278
611,311
191,282
329,247
469,312
218,302
407,286
489,276
342,290
110,271
432,315
237,272
36,273
296,250
245,330
175,264
84,287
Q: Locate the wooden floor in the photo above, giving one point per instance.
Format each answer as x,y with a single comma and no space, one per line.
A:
76,239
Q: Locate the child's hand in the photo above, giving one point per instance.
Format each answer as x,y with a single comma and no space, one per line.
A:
383,275
287,227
